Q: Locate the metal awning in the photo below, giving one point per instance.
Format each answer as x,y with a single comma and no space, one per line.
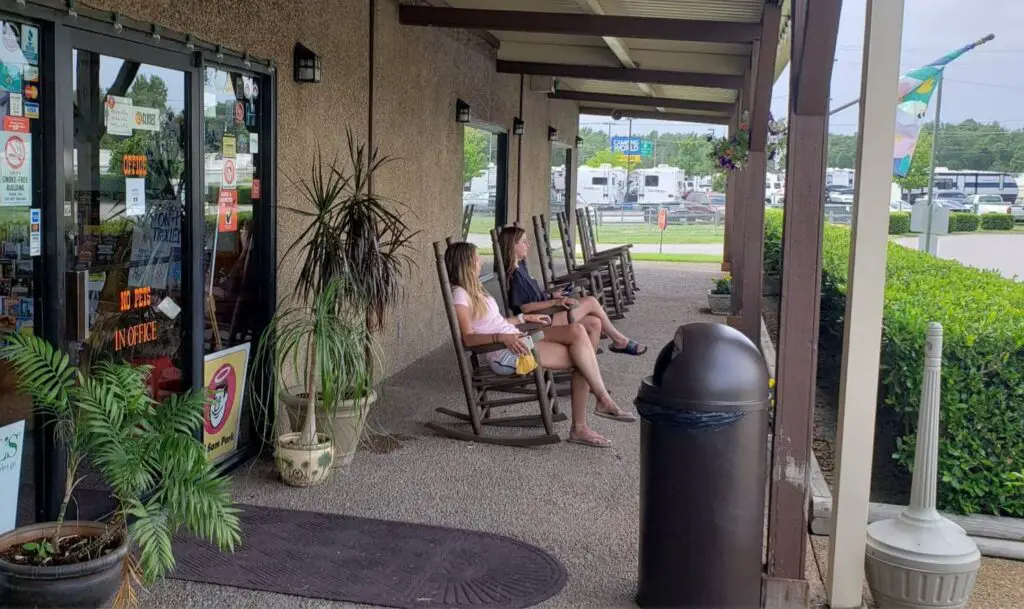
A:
682,60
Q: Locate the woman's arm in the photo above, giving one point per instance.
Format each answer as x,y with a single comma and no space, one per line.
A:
472,339
530,307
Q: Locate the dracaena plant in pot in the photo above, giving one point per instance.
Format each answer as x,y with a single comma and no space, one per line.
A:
146,453
351,255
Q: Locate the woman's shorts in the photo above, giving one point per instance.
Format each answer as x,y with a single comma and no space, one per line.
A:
503,363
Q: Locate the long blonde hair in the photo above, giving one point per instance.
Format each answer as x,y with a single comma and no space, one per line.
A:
507,240
458,260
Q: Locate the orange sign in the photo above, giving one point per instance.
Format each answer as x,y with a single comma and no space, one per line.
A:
227,211
18,124
134,165
137,298
134,335
662,219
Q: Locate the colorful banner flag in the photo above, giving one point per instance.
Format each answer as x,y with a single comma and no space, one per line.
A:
915,93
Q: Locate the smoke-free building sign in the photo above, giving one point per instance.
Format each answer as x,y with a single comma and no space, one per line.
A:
15,168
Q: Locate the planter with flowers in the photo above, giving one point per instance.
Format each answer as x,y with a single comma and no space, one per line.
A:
730,153
720,296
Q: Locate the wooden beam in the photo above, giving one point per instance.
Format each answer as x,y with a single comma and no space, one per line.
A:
710,119
796,379
753,224
814,51
579,24
654,77
488,37
638,100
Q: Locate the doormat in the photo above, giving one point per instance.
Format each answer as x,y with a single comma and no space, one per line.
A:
374,562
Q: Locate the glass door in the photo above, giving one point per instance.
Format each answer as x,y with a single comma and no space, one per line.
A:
124,257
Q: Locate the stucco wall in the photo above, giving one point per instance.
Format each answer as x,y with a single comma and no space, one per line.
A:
418,74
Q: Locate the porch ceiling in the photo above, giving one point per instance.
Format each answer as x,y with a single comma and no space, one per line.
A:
641,58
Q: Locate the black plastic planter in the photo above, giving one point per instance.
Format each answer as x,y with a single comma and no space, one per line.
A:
88,585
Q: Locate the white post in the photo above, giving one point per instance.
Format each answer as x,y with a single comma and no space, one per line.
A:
863,328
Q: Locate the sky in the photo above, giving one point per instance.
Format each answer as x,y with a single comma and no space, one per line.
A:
979,85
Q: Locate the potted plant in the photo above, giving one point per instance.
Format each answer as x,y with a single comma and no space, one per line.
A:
149,456
719,296
351,258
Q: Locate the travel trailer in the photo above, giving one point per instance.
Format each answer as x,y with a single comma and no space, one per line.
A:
482,189
661,185
601,186
971,183
839,177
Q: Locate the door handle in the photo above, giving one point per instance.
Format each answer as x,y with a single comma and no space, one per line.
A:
76,284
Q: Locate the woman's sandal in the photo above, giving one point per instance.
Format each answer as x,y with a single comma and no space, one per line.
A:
631,348
621,417
591,442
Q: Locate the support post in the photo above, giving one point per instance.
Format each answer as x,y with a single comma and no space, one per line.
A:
753,224
815,27
866,286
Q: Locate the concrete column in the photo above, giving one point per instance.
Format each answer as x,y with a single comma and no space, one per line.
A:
863,328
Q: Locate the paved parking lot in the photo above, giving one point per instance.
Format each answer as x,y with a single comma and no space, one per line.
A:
1003,253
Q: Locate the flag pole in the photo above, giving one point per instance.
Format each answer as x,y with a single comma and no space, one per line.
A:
930,245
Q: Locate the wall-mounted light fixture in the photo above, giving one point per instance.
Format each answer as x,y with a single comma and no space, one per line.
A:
518,125
579,141
307,64
552,134
461,111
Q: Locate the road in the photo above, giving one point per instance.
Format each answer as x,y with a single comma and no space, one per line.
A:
1003,253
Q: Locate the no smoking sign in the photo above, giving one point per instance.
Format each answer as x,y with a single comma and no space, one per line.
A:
14,152
230,175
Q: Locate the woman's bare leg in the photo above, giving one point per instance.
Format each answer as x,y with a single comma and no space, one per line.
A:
593,328
583,358
556,356
590,307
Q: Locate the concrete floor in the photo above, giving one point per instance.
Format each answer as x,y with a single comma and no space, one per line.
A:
579,503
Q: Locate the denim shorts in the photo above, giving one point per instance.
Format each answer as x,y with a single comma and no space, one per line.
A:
503,363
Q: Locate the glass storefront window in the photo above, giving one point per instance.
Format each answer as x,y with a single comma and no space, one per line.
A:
20,233
232,203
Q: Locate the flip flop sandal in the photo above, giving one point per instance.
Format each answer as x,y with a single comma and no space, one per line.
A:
631,348
603,443
623,417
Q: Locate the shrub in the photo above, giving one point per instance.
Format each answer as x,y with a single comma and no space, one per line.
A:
962,222
981,452
722,286
899,223
997,222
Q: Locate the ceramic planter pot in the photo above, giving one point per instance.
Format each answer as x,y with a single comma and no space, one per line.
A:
303,465
87,585
720,304
346,423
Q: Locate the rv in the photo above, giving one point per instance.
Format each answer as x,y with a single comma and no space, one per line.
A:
971,183
661,185
601,186
840,178
481,190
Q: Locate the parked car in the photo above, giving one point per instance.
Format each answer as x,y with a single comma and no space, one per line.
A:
843,196
952,200
987,204
717,199
899,205
1017,211
698,197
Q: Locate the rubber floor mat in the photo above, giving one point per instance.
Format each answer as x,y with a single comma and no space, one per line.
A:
376,562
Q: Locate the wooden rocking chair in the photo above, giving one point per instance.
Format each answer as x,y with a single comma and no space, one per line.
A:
479,381
467,220
616,259
588,241
611,293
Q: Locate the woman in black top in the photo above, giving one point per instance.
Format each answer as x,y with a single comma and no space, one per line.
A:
525,296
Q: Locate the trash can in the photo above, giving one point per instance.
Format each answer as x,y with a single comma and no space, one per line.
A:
703,468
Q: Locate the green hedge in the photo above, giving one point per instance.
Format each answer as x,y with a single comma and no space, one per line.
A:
899,223
996,222
981,451
961,222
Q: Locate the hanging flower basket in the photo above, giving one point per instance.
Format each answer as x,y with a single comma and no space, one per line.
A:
730,153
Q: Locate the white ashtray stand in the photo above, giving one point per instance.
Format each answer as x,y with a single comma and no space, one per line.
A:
922,560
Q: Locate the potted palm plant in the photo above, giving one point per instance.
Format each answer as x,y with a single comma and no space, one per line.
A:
351,258
719,296
149,456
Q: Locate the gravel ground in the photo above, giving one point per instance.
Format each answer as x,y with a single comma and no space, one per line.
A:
578,503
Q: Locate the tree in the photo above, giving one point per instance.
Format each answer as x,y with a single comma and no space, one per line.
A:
593,142
476,153
920,165
718,182
693,156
